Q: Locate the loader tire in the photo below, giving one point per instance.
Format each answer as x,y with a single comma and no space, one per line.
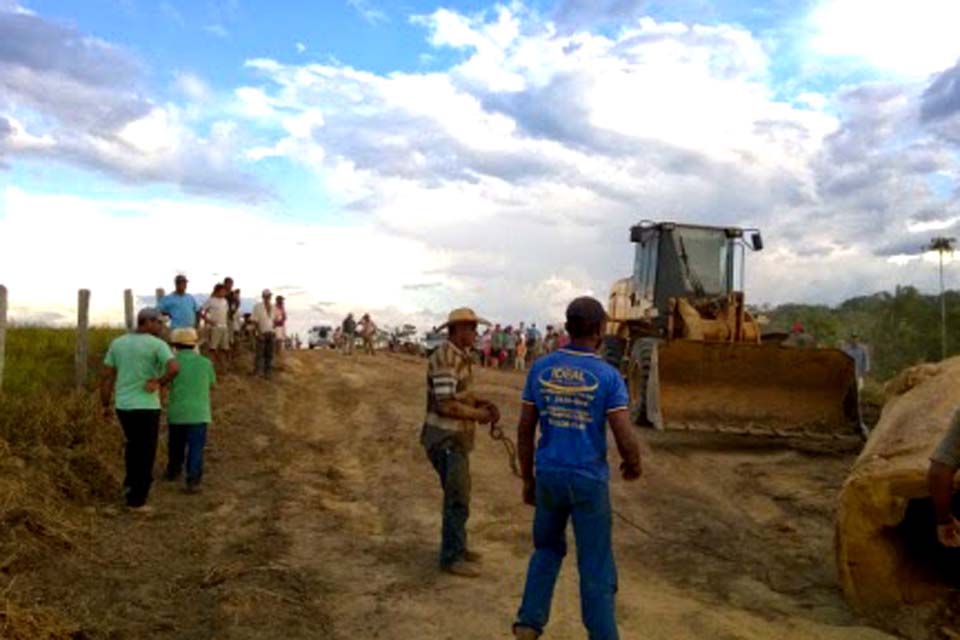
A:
638,378
613,351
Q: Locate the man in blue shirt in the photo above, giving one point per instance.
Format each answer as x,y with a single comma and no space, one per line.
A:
573,393
861,357
180,306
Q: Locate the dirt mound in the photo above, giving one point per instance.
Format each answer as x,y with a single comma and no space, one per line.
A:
914,376
886,553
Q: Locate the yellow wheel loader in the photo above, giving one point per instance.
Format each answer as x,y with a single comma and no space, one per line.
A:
694,356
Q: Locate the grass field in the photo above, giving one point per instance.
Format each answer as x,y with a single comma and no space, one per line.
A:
40,359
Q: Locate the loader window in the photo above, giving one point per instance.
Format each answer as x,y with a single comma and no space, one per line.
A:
703,260
645,267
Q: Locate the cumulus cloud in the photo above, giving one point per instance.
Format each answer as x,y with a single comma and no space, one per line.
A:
911,39
74,98
306,263
509,180
574,15
940,108
530,159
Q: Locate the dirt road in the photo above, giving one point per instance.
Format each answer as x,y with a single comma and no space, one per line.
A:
320,519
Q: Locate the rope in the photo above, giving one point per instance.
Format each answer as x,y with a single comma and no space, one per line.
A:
498,435
496,432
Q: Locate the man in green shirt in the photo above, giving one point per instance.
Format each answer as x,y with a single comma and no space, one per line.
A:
136,366
188,413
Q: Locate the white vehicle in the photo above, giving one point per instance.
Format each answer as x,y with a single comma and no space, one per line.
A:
433,339
320,336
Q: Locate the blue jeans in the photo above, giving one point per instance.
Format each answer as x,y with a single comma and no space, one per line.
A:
189,439
562,496
263,354
453,467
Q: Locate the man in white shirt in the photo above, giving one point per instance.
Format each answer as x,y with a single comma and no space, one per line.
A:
263,316
215,312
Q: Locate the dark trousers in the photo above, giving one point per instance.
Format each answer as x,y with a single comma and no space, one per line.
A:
140,429
263,358
453,467
562,497
186,439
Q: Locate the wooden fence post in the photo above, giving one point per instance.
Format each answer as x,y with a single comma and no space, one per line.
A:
160,294
128,308
83,340
3,330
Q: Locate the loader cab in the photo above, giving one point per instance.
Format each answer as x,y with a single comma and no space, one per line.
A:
688,261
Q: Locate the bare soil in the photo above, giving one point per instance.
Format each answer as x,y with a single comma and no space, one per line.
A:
320,518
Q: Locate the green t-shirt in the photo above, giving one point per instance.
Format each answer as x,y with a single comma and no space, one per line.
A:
190,391
137,357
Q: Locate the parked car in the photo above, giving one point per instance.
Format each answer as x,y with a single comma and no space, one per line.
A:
320,336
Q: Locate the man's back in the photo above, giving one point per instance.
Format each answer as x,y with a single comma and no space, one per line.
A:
573,391
349,326
137,357
190,391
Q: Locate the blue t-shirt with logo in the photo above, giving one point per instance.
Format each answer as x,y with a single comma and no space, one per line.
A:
574,390
182,310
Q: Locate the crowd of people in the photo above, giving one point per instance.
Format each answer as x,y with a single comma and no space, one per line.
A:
345,336
509,347
223,330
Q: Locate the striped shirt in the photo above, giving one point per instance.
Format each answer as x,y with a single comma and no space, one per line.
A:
449,374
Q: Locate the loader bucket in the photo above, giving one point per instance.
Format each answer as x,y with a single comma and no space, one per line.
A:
757,389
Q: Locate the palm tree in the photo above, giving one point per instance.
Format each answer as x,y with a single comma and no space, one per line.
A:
942,245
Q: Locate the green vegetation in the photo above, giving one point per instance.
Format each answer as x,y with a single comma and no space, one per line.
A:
40,359
901,328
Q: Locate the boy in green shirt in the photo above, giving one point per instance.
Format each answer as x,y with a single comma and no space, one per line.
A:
188,413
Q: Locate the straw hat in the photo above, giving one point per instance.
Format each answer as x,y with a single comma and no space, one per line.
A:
462,316
185,336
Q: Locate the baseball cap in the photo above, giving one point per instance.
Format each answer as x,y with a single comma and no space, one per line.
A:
267,292
146,314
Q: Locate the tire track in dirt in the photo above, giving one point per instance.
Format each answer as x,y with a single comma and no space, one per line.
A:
350,519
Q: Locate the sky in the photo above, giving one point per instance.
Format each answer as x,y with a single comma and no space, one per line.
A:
404,158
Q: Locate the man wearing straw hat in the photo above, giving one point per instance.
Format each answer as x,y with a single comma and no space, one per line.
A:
453,412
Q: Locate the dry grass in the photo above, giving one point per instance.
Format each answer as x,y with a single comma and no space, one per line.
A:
56,458
34,623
